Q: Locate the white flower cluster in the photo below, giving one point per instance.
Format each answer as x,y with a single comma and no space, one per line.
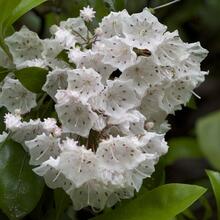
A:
112,107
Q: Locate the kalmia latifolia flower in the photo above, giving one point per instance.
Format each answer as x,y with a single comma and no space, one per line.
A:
111,98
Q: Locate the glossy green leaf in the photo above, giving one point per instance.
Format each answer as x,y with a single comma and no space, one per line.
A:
33,78
164,203
20,188
7,8
208,131
182,147
23,7
214,178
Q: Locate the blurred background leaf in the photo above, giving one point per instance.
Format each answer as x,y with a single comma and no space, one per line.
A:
208,131
182,147
33,78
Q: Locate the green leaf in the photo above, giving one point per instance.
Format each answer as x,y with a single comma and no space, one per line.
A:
208,131
7,8
100,8
63,55
119,4
135,6
182,147
33,78
20,188
214,178
164,203
62,202
23,7
3,73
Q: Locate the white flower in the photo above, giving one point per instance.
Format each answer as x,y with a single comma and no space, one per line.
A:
63,36
42,148
143,30
51,48
64,96
146,74
116,99
145,169
24,45
87,13
75,55
53,178
197,54
76,116
98,32
120,153
154,143
85,82
92,193
171,50
116,53
75,27
26,131
56,64
32,63
111,25
111,176
91,59
78,164
15,96
130,123
56,80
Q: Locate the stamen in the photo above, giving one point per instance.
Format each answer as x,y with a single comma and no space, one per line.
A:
196,95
